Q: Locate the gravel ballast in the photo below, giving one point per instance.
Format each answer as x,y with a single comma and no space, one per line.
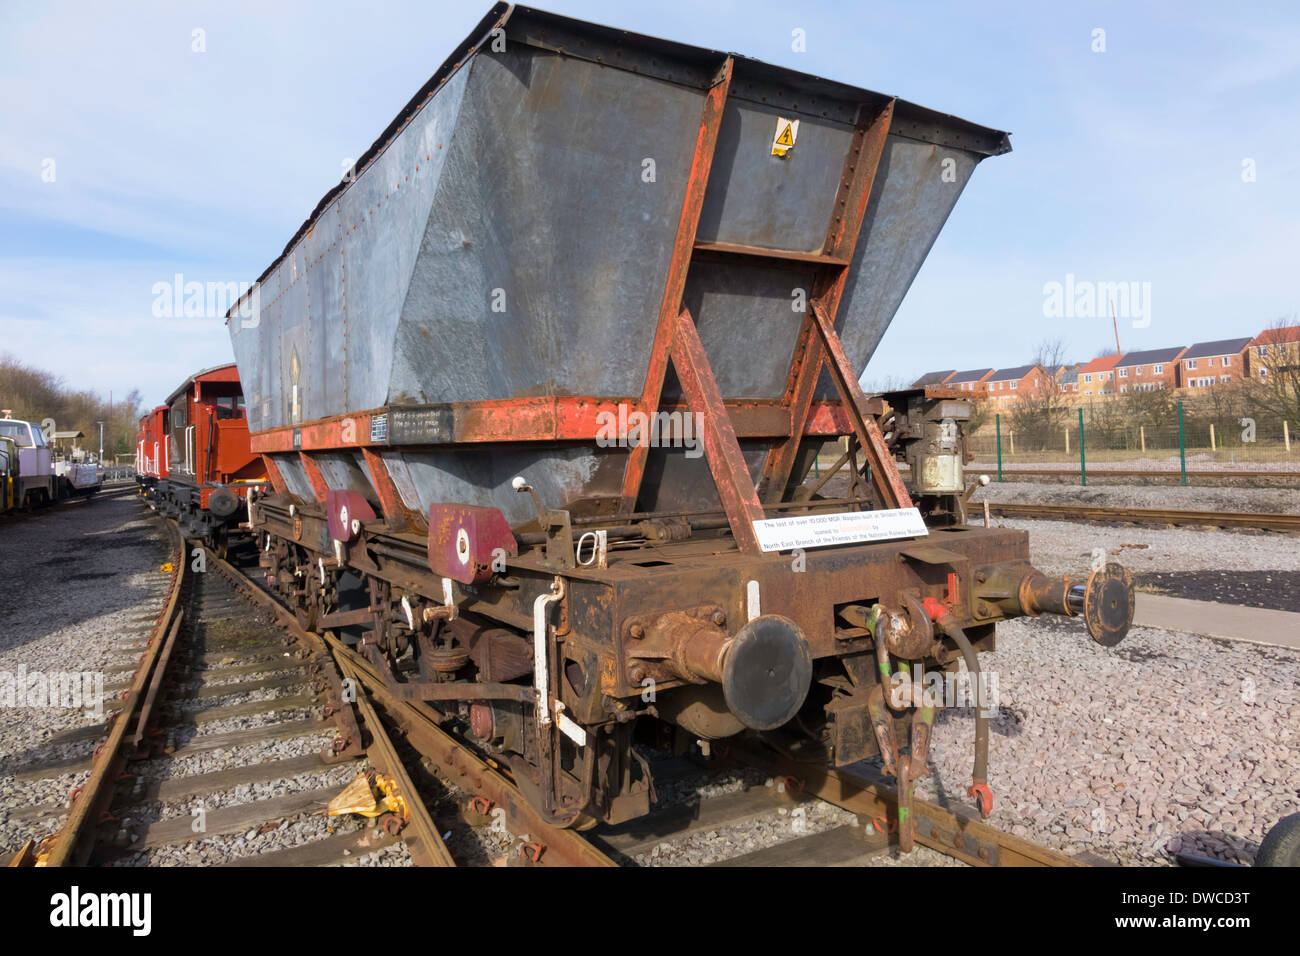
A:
78,582
1178,497
1168,741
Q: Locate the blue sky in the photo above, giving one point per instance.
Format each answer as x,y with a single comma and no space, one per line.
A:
1127,164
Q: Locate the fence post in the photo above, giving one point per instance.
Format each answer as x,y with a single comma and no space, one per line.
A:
1286,436
1212,444
1182,443
997,421
1083,455
1067,441
1142,434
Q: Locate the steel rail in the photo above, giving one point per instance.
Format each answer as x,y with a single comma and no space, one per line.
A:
423,840
420,724
1095,472
75,841
1224,519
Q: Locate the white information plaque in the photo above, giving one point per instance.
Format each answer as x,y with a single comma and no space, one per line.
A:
849,527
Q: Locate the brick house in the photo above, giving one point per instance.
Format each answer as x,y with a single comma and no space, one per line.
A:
1068,380
970,381
1213,363
1273,349
1006,385
1148,370
1098,376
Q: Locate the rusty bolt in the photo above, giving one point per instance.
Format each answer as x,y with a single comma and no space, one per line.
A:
959,841
983,610
637,631
637,674
984,853
719,619
981,577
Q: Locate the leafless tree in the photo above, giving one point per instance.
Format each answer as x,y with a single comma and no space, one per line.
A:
1276,393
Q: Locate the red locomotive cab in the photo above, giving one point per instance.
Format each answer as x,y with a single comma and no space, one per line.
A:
209,464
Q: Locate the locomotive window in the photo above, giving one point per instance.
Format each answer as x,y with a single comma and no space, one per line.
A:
18,431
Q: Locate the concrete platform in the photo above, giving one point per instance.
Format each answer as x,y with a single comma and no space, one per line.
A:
1234,622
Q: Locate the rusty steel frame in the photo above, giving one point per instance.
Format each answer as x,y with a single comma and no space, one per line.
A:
420,725
721,449
860,167
530,420
889,483
957,835
683,244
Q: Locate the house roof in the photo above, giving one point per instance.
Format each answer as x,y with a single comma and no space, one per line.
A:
1069,377
1221,347
932,378
1103,363
1290,333
1150,357
1012,374
973,375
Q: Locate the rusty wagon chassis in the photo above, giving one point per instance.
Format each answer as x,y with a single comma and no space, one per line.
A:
551,642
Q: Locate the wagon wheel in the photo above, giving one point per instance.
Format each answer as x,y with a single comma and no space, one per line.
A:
307,614
1281,844
220,542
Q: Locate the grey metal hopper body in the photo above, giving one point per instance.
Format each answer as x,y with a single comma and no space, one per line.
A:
512,232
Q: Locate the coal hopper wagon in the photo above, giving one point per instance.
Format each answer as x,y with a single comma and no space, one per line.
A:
539,387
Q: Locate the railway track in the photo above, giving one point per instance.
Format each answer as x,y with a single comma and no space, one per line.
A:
1200,477
223,650
1285,523
218,681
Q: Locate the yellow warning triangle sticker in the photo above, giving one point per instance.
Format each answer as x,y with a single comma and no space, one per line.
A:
786,133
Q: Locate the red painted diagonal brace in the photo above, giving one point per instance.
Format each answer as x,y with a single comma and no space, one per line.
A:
730,474
314,476
683,244
273,473
398,516
883,471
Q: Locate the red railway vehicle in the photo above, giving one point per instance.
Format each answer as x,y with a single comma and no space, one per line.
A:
196,447
543,455
151,451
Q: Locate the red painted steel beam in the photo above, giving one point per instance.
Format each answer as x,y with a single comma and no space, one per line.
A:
730,474
273,473
341,431
576,418
860,167
314,476
706,141
398,516
883,471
